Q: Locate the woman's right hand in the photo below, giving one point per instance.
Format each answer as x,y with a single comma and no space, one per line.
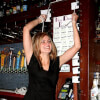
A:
74,18
42,18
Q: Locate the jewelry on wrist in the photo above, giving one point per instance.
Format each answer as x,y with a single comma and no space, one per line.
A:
42,19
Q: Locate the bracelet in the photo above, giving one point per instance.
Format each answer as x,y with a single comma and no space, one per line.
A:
40,17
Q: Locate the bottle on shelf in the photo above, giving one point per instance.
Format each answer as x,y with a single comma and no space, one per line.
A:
32,3
21,6
98,24
95,91
25,5
18,7
8,9
46,2
14,7
11,7
4,8
1,9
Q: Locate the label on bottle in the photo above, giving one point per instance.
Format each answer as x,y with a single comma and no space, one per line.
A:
11,11
24,7
94,92
14,10
18,7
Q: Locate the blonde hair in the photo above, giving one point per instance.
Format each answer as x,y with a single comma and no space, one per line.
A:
36,40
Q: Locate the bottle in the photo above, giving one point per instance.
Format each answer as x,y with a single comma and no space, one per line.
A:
14,7
99,12
1,9
21,9
8,9
14,61
39,4
45,2
4,8
94,90
11,6
22,60
18,60
32,4
36,3
99,85
98,24
18,8
25,5
2,59
10,60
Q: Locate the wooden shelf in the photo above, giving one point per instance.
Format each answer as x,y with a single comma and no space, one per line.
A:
22,16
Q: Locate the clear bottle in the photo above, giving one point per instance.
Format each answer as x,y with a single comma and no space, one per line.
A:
18,7
95,87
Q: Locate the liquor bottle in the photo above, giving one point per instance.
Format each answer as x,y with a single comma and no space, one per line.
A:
4,8
98,23
1,9
32,3
99,11
45,2
18,7
11,6
22,60
2,59
8,9
14,7
99,86
39,3
94,90
21,9
18,60
10,60
25,5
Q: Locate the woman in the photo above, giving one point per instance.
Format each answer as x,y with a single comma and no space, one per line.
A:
42,61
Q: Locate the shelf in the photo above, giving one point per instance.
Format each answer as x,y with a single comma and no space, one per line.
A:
19,18
22,16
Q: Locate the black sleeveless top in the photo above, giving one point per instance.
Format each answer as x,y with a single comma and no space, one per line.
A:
42,83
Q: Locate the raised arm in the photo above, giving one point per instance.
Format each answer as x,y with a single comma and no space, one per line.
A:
73,50
27,40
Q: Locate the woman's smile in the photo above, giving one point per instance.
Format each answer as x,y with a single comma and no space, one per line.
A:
45,44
